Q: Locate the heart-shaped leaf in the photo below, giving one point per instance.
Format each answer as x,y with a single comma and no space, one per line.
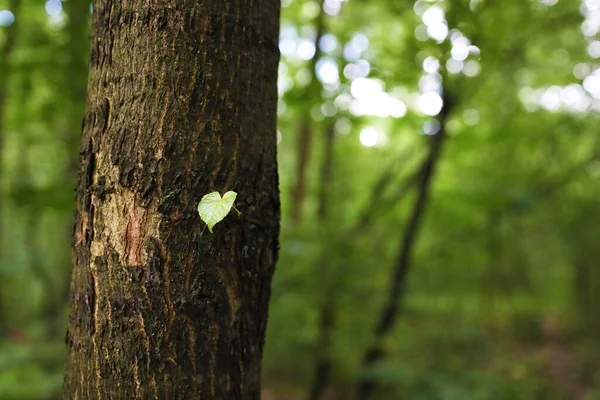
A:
213,208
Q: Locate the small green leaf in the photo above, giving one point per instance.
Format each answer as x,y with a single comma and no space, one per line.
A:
213,208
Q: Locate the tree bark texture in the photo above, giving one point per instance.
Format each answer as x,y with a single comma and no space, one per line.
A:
181,101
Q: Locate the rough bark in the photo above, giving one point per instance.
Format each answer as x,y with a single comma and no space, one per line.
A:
181,101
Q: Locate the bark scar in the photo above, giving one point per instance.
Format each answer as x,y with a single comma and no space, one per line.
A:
133,235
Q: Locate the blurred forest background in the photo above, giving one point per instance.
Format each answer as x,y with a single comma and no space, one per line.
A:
441,156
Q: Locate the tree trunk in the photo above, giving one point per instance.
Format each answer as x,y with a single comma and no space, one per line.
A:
305,133
396,292
327,312
181,101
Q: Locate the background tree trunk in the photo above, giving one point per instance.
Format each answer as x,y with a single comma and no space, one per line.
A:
305,133
181,102
6,50
78,12
390,313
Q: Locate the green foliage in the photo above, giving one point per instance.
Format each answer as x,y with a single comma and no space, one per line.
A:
30,371
213,208
503,292
493,251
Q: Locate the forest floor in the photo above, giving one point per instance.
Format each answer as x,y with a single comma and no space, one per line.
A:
552,362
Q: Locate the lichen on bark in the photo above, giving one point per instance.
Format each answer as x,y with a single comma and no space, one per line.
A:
181,102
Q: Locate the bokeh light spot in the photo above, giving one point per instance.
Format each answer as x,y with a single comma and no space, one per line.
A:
7,18
430,103
53,7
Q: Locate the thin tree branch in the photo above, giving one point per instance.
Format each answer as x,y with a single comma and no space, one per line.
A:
305,136
550,187
396,292
326,170
329,310
326,325
366,217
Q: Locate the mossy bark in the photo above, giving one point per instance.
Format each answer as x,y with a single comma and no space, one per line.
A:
181,102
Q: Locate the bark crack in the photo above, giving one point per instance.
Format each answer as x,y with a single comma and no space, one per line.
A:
146,339
167,295
136,380
192,344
